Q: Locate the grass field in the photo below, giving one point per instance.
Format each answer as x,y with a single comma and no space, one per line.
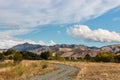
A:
87,70
95,71
10,71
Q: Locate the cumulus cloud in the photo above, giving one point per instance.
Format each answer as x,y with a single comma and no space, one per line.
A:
99,35
5,44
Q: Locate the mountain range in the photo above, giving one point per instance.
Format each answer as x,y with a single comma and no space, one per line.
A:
68,49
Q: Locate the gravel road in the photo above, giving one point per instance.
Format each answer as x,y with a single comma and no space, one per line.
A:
63,73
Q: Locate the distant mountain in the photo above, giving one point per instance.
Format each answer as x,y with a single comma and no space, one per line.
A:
68,50
26,46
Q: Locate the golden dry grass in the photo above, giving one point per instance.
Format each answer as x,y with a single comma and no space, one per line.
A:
95,71
24,69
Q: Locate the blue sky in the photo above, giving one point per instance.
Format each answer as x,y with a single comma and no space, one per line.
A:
49,22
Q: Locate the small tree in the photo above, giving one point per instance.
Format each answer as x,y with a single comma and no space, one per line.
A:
17,57
9,52
117,58
1,57
46,55
87,57
57,56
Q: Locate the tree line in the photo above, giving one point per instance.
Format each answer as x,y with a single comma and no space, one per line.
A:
18,56
103,57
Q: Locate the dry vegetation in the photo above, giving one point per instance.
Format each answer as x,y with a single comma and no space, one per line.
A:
9,71
96,71
87,70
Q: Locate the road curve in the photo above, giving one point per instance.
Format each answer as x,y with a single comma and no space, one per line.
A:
64,72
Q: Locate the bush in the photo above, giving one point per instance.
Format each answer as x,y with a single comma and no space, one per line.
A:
30,56
17,57
46,55
117,58
1,57
105,57
44,65
87,57
57,56
9,52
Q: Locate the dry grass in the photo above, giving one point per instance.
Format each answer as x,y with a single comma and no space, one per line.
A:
95,71
24,69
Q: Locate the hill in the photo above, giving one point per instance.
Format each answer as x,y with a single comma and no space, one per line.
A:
68,50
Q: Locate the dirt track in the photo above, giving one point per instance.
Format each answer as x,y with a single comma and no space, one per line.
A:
63,73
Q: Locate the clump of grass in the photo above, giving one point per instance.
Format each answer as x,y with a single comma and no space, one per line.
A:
34,64
20,69
44,65
6,64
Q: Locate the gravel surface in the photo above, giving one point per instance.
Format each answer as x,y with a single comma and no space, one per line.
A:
63,73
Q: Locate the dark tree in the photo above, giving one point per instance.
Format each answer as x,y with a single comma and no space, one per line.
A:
87,57
117,58
57,56
46,55
17,57
30,56
9,52
1,57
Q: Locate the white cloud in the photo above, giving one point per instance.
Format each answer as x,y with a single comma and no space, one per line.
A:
30,13
21,16
4,44
99,35
48,43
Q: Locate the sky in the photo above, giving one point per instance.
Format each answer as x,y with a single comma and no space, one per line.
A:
50,22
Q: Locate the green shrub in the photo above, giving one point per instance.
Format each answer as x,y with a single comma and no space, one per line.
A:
117,58
105,57
9,52
87,57
46,55
44,64
1,57
17,57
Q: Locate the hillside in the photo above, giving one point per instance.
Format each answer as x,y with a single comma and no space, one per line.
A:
68,50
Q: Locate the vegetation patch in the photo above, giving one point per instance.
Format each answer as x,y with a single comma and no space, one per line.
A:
24,69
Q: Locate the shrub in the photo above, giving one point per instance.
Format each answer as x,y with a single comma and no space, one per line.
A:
117,58
57,56
17,57
46,55
30,55
9,52
105,57
87,57
44,65
1,57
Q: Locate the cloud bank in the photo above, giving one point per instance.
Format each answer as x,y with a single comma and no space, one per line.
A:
4,44
19,17
30,13
99,35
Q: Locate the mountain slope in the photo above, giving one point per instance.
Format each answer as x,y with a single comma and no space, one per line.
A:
66,49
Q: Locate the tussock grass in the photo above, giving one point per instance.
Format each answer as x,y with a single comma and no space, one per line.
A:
24,69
